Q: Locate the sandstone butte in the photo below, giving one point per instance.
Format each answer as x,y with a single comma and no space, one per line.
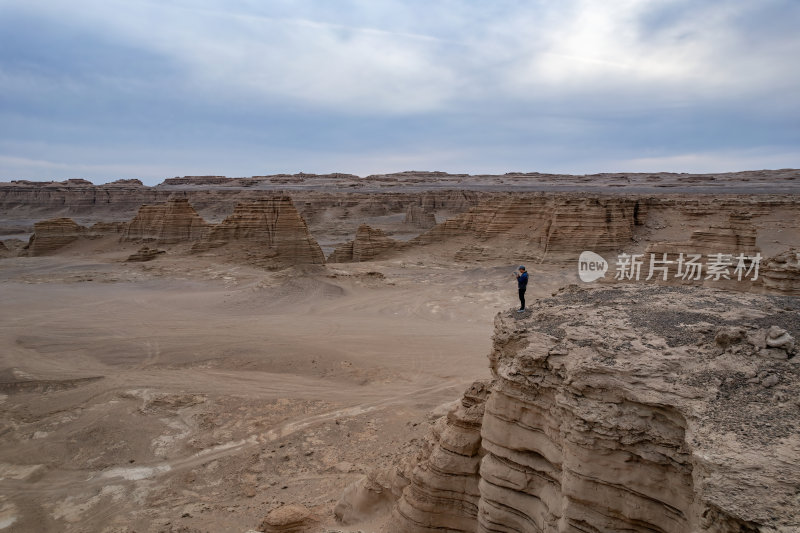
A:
369,243
638,409
269,232
168,223
277,227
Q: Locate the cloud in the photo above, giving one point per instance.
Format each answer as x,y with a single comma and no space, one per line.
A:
243,86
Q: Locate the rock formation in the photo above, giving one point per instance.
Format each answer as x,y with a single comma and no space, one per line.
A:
368,244
145,253
51,235
443,494
288,519
781,273
541,227
738,235
267,231
632,408
168,223
418,217
108,228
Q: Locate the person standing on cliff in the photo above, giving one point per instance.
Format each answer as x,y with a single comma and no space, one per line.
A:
522,284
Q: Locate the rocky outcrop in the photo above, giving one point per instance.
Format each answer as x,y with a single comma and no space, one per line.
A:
168,223
108,228
443,494
265,232
418,217
781,273
737,236
540,227
51,235
289,519
145,253
633,408
368,244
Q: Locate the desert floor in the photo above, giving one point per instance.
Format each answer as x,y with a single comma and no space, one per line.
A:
222,391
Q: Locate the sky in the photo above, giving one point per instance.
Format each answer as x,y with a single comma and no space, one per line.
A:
110,89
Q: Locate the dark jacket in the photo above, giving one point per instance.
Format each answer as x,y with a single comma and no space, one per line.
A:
522,280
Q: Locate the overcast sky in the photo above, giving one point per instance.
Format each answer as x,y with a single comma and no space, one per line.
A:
108,89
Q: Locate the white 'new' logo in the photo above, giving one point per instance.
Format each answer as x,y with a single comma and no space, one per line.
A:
591,266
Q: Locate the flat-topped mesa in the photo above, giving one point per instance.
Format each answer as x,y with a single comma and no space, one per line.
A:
781,273
53,234
542,228
172,222
631,408
265,231
368,244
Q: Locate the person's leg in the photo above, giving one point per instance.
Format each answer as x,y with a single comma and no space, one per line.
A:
522,298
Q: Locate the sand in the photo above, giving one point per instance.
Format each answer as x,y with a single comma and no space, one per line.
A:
182,394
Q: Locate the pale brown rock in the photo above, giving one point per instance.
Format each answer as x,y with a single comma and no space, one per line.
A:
781,273
419,217
145,253
737,236
610,412
51,235
444,494
539,227
291,518
368,244
268,231
169,223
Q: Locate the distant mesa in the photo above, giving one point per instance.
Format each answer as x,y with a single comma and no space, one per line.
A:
197,180
128,182
78,181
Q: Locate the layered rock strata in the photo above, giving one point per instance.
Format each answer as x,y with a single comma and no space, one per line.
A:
51,235
419,217
781,273
168,223
268,230
369,243
737,236
443,494
634,408
541,227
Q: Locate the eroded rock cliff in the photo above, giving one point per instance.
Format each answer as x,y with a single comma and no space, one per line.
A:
168,223
737,235
541,227
368,244
637,409
781,273
420,217
269,232
53,234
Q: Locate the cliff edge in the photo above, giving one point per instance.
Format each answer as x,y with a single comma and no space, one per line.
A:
638,409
